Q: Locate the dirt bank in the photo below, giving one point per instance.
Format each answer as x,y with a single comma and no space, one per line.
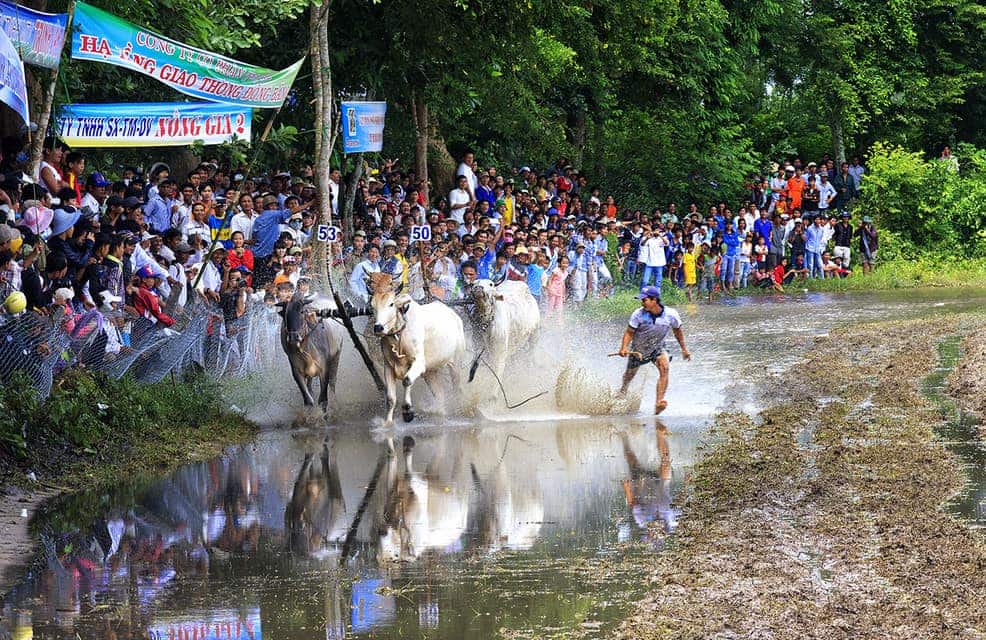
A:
821,519
968,381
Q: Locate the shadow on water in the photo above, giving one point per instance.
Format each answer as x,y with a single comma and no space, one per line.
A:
961,434
514,529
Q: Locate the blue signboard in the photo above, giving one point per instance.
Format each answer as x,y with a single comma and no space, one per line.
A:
362,126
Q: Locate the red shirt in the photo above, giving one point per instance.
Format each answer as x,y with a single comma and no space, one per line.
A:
779,274
146,303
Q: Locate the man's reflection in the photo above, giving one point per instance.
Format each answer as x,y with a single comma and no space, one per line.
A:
648,491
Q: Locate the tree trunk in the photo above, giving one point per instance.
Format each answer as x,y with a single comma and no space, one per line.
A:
442,165
46,98
578,135
347,196
322,82
422,127
838,141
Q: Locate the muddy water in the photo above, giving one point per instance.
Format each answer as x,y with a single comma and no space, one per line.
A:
527,523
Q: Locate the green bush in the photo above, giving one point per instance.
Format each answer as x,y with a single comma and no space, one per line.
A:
88,412
923,205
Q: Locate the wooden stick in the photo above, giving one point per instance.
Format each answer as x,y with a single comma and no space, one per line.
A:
636,354
348,323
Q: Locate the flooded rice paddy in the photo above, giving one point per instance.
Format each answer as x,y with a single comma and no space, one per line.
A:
532,523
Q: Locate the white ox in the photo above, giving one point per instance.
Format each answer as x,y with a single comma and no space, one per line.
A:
507,318
416,340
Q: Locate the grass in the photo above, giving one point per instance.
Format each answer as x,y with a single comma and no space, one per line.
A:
92,429
901,273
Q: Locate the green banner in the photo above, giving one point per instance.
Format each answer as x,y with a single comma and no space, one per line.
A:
103,37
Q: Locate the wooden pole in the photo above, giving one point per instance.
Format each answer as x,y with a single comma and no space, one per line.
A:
367,360
47,100
347,545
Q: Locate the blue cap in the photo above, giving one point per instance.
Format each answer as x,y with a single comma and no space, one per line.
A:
243,269
650,291
145,272
98,180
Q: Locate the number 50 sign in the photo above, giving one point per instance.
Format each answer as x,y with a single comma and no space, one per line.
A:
327,233
420,233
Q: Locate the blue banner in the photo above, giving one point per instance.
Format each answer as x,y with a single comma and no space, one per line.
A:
362,126
13,88
38,37
152,124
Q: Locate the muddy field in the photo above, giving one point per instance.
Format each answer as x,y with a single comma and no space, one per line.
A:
968,381
821,518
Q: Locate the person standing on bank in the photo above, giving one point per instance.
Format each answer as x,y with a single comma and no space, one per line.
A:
646,332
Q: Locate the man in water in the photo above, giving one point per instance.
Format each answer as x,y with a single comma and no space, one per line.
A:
646,332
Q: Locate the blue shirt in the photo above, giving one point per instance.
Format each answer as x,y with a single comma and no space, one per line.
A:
732,242
266,231
763,228
157,215
484,266
815,239
534,273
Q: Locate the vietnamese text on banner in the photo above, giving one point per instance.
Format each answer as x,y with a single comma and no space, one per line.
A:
362,126
13,89
103,37
163,124
37,36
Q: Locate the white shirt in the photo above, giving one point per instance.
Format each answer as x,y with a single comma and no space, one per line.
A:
212,279
651,330
652,252
243,222
334,190
458,196
825,191
466,170
90,203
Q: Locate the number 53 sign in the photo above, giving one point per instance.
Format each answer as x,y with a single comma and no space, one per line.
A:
327,233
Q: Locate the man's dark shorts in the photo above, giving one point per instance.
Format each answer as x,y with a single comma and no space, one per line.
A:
634,362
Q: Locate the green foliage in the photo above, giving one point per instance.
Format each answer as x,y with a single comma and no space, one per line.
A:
89,414
928,204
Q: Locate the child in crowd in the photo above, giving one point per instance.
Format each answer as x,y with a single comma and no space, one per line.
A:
556,287
709,263
688,269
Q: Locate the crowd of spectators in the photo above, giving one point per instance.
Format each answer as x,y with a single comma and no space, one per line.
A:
141,244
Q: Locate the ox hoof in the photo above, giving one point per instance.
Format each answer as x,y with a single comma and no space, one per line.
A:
408,415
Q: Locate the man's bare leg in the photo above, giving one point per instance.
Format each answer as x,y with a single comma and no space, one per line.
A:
662,363
628,376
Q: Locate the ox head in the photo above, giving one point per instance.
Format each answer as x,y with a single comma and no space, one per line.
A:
484,295
388,302
293,314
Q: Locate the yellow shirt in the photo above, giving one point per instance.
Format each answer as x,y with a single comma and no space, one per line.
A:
508,214
689,259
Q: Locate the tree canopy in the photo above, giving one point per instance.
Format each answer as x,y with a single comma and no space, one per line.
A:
656,98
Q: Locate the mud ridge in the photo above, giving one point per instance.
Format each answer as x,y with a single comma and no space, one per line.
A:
821,517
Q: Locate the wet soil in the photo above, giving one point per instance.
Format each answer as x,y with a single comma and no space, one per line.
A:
822,517
968,380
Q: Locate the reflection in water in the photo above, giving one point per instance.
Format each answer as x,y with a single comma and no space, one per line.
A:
648,491
250,545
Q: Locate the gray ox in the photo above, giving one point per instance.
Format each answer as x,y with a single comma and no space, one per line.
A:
313,345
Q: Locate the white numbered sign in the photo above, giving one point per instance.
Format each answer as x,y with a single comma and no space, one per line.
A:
327,233
420,233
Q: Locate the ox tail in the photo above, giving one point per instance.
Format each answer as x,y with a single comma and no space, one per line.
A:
475,364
